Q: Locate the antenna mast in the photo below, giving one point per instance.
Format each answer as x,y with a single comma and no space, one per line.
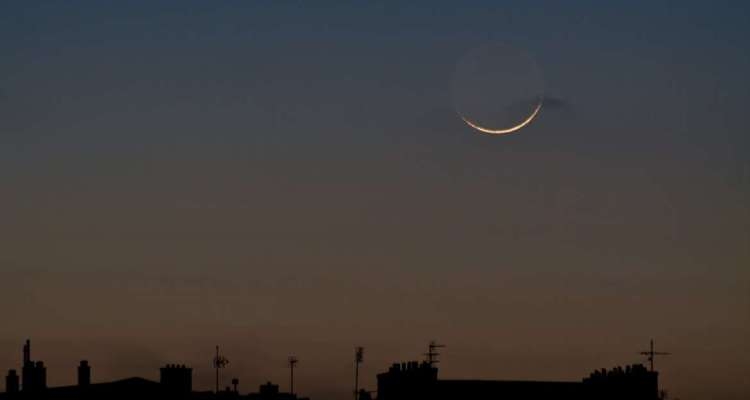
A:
651,353
219,363
432,353
292,363
359,356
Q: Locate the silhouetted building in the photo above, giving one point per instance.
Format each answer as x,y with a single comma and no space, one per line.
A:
176,384
126,389
269,391
409,380
12,382
414,380
633,382
84,373
177,378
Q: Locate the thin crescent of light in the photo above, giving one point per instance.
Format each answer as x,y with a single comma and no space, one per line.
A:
508,130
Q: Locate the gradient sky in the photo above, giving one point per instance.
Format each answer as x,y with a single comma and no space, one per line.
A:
286,179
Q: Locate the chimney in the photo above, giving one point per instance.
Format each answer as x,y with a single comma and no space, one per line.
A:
41,375
84,373
27,352
11,382
177,378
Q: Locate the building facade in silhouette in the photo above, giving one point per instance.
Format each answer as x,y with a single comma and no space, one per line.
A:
632,382
270,391
413,380
404,381
175,383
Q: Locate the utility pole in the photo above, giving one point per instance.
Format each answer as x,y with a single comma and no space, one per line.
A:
651,353
292,363
219,363
359,356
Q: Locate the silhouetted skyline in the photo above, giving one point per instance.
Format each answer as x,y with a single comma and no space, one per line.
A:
402,381
286,179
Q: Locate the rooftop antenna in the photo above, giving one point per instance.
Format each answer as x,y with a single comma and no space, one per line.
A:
292,363
651,353
432,354
359,356
219,363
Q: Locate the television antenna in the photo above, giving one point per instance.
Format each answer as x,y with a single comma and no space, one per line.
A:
432,352
651,354
292,363
219,363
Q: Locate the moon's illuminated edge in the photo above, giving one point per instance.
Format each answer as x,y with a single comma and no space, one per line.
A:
508,130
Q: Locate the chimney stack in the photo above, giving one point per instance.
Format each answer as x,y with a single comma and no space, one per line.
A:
177,378
27,352
84,373
33,374
11,382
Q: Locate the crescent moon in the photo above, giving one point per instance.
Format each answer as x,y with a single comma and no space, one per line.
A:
508,130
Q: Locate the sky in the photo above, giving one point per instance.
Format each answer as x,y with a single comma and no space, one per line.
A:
290,178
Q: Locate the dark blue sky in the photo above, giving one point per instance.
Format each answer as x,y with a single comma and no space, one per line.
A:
274,174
